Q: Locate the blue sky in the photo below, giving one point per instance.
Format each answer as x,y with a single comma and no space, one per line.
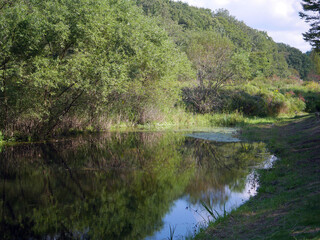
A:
279,18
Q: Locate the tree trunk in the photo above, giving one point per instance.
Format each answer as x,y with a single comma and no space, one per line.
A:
200,78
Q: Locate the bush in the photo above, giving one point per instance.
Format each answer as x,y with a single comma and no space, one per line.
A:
258,103
201,99
312,102
249,105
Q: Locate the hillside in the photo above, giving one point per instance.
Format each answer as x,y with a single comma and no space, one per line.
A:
263,55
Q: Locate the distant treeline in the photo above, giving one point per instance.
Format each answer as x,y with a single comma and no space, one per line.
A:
262,55
88,64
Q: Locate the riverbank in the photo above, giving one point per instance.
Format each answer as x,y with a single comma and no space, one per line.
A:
173,121
287,205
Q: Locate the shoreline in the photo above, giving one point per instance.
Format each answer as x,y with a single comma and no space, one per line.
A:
287,205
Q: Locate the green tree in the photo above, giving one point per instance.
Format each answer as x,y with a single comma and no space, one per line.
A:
315,56
313,35
264,57
20,42
296,60
60,61
211,55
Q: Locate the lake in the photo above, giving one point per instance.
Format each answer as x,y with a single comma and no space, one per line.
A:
129,185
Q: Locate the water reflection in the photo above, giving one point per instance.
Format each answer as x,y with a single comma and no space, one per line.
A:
118,185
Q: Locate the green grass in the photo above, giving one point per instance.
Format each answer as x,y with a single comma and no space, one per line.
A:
257,101
287,205
174,120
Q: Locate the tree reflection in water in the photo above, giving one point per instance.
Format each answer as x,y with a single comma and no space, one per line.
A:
113,186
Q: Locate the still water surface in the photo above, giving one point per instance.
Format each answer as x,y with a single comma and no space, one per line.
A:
133,185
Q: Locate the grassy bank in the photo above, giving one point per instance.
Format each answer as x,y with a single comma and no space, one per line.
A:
260,100
177,119
287,205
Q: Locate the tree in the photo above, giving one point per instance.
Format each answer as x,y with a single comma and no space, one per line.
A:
296,60
20,41
211,55
60,61
313,35
315,57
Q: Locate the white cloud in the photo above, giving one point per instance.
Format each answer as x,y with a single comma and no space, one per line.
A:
292,38
279,18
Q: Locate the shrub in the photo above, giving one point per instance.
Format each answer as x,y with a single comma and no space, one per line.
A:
312,85
250,105
201,99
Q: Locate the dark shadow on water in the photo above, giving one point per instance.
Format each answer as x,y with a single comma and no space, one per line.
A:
113,186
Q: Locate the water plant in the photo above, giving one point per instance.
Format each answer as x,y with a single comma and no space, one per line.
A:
213,212
172,229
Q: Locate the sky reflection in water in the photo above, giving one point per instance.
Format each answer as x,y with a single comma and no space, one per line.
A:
188,218
121,185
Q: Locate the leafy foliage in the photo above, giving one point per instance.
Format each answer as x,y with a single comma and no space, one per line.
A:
297,61
63,59
82,64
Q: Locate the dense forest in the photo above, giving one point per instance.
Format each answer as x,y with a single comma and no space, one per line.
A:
91,64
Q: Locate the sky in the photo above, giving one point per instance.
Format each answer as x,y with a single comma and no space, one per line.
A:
279,18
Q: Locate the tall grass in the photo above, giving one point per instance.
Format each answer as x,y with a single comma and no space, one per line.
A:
214,213
172,230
